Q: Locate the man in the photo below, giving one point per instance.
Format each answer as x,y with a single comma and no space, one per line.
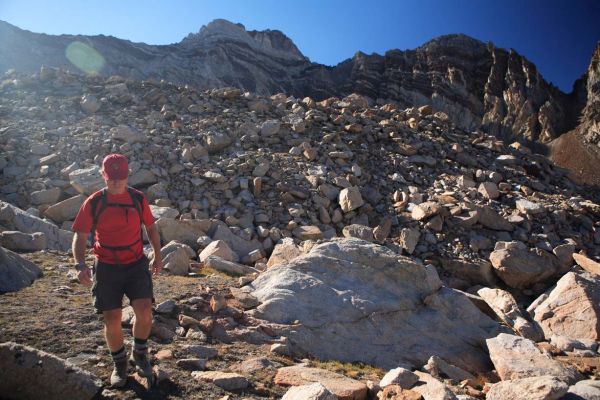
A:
114,216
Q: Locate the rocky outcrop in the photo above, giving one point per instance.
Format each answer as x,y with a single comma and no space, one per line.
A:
16,272
14,218
352,294
579,150
476,84
28,373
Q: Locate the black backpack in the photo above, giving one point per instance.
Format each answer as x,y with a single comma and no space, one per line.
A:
137,202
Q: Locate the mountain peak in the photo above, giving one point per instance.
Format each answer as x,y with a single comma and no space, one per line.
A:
268,41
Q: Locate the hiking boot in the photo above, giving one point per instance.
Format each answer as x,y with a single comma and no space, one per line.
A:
118,378
142,365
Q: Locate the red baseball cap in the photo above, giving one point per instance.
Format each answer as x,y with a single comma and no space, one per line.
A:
115,167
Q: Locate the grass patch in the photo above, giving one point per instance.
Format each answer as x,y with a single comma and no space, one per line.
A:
355,370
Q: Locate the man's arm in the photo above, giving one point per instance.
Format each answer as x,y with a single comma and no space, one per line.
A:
154,238
79,245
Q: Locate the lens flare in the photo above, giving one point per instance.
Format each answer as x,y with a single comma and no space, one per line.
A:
85,57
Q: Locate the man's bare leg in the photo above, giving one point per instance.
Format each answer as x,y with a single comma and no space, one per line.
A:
114,339
141,330
112,329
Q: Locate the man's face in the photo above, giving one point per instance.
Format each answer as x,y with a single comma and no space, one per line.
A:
116,185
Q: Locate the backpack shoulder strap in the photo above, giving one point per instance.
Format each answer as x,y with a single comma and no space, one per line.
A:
99,198
138,201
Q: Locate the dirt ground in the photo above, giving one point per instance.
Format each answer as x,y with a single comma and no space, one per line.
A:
56,315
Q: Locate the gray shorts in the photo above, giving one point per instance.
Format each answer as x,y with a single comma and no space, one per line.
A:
112,281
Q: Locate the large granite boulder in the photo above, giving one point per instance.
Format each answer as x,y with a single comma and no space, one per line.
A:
16,272
572,309
28,373
352,300
16,219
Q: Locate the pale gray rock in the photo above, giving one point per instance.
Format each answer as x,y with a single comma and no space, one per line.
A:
191,364
48,196
216,141
183,231
341,386
240,246
308,232
564,253
40,149
520,267
218,248
14,218
90,104
218,264
425,210
200,351
431,388
478,272
572,308
515,357
284,252
224,380
489,190
439,368
359,232
173,245
379,291
19,241
529,207
163,212
87,180
166,307
399,376
16,272
177,262
565,343
587,389
142,177
47,376
409,238
314,391
66,210
270,128
127,134
492,220
509,312
350,199
534,388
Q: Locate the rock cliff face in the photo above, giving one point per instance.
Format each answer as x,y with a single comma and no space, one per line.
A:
478,85
579,150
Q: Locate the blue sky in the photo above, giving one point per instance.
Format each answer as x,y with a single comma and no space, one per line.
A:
558,36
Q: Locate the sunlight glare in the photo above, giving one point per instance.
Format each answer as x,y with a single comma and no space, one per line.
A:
84,57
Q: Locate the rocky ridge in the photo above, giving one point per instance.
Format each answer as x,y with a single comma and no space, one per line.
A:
256,186
478,85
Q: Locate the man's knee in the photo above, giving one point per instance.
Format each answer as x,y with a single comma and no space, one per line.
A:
112,318
142,308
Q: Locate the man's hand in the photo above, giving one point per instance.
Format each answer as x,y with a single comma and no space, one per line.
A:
156,265
85,276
